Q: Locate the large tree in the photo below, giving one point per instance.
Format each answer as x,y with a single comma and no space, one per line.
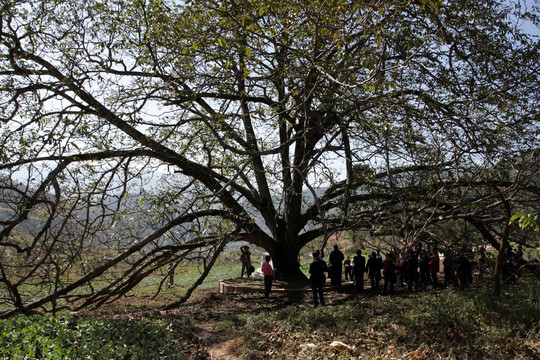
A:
153,131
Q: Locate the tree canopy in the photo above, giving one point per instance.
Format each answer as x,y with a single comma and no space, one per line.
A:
150,132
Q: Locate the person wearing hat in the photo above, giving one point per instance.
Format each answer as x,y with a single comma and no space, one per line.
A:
245,259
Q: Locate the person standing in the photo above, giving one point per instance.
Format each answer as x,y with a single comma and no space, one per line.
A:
389,273
348,269
434,266
448,265
317,278
481,264
268,273
372,268
463,270
424,268
336,263
245,259
378,261
359,270
397,257
412,271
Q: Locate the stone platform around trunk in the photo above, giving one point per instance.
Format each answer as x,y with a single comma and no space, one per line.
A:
240,285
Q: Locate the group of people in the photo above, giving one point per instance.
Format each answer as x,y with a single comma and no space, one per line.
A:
354,269
318,268
266,268
411,267
414,268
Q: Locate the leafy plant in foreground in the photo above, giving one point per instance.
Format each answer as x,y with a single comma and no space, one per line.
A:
71,338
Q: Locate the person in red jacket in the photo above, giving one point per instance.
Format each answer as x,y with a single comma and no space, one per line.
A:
268,273
434,267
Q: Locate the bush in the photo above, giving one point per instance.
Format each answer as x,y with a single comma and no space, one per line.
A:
70,338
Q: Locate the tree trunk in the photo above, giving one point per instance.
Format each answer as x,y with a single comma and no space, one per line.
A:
504,244
497,277
286,261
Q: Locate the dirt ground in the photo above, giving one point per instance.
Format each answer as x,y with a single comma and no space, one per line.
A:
212,314
216,330
211,310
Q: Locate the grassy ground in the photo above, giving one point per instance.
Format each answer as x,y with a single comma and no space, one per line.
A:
433,324
440,324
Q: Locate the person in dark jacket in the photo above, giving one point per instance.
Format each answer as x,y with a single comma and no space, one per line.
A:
448,264
336,264
359,270
373,270
412,271
317,270
424,268
463,270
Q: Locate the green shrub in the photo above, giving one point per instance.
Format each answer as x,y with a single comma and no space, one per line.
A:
69,338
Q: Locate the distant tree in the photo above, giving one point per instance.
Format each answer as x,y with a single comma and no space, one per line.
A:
138,134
